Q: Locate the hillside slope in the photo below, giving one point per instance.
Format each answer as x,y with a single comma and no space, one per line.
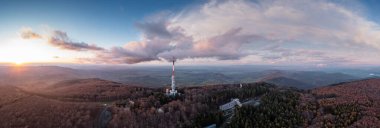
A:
22,109
92,89
284,81
355,103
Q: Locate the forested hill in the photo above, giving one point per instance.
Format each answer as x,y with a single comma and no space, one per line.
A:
352,104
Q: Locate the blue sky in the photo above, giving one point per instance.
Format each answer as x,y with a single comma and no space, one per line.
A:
275,32
373,9
107,23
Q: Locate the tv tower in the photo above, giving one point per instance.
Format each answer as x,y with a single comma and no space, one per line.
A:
173,91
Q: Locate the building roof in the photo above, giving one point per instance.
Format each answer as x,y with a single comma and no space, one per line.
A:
230,104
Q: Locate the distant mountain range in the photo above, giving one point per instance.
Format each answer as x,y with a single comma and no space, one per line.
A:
160,76
305,79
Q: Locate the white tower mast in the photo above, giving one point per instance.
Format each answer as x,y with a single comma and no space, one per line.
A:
173,91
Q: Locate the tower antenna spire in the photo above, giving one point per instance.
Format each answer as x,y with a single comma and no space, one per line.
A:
173,91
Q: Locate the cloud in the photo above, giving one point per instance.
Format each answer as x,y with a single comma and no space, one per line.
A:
27,33
175,44
278,54
226,46
230,30
283,31
162,41
61,40
315,21
156,39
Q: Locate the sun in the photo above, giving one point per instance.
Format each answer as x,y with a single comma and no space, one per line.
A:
18,63
20,51
18,60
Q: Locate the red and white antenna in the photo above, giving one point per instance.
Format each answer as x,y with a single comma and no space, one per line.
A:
173,91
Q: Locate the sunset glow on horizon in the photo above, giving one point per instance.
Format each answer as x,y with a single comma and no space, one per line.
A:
20,51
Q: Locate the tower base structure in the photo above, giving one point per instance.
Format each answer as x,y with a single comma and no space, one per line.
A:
171,92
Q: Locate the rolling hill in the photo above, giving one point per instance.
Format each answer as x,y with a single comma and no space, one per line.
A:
39,77
91,89
303,79
22,109
284,81
358,99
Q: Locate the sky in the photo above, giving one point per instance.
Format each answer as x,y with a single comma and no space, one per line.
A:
318,33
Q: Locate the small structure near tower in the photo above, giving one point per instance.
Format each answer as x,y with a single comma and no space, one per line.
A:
172,91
